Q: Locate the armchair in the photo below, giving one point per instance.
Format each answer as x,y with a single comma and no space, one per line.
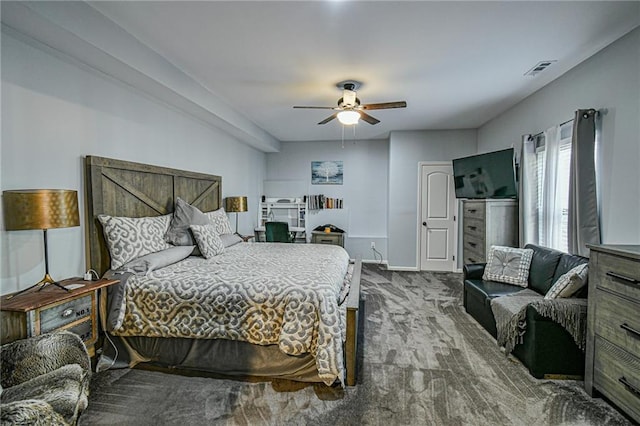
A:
45,380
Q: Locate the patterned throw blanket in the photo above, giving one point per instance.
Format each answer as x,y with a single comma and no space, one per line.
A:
284,294
510,314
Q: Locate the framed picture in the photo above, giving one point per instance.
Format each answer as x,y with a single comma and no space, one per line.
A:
326,173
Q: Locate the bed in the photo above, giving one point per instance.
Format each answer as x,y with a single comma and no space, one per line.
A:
316,343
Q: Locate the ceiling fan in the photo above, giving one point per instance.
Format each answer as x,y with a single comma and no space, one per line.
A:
349,109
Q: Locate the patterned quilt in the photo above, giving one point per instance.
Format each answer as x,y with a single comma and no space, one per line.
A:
261,293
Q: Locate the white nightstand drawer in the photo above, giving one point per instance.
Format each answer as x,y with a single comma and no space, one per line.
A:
64,313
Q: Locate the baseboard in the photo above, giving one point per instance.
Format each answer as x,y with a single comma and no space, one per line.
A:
403,268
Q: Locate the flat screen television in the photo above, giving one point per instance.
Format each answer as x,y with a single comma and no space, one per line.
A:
490,175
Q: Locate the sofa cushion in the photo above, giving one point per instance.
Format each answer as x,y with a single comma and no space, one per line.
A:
568,262
543,267
491,289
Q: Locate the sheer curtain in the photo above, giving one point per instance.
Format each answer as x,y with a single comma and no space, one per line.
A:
544,187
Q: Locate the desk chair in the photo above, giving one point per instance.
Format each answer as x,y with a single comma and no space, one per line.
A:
278,232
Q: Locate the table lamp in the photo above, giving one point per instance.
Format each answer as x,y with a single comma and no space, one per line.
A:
235,205
27,209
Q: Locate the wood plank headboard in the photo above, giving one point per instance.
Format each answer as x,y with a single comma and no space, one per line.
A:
123,188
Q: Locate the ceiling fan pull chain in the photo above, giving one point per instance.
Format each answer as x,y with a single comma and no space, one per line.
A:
343,136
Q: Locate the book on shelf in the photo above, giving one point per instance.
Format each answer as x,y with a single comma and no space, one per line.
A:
320,202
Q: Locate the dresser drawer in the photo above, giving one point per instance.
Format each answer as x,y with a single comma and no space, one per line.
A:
617,376
84,330
618,320
65,313
473,243
473,210
474,227
618,274
327,238
473,256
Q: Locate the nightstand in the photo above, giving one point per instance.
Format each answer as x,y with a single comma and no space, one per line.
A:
37,312
320,237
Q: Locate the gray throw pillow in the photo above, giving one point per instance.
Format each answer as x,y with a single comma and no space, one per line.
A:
157,260
508,265
220,221
184,216
208,240
230,239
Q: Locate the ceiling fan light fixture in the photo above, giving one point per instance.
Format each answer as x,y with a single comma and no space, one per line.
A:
348,117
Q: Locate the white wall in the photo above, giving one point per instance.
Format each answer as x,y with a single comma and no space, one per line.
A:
364,190
55,112
406,150
610,82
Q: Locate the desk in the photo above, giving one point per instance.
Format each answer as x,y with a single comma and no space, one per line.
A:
300,233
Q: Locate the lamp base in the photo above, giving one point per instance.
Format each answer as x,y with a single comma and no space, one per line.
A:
48,280
41,284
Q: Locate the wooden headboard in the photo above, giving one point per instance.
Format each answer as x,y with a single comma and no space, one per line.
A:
122,188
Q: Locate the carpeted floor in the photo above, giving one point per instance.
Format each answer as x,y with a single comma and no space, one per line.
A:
423,361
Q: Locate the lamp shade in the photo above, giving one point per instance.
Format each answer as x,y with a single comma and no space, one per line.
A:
348,117
235,204
40,209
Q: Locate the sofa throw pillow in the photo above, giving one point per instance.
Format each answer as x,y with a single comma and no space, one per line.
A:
128,238
220,221
569,283
508,265
208,240
184,216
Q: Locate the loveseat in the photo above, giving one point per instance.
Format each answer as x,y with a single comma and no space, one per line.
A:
546,348
45,380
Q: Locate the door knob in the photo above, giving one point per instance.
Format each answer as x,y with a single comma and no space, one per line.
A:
424,223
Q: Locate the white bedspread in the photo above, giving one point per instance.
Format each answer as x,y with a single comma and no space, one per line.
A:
262,293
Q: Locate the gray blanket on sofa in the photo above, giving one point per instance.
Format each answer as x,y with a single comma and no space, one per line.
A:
510,314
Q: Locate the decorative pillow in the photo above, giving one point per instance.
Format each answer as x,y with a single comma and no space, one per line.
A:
157,260
569,283
184,216
221,221
129,238
208,240
508,265
230,239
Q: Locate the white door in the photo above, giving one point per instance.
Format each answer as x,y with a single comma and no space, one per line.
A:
437,227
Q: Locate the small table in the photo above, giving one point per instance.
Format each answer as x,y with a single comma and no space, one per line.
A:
36,312
335,238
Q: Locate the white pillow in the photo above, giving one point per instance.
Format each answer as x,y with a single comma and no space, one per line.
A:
508,265
220,221
208,240
569,283
131,237
152,261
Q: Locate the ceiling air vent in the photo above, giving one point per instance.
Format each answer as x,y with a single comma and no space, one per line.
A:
539,67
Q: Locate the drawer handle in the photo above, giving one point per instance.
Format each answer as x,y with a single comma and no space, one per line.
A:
625,326
622,277
66,313
473,228
472,260
634,390
472,244
472,210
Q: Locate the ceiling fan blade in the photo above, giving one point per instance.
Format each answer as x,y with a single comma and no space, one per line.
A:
385,105
328,119
314,107
369,119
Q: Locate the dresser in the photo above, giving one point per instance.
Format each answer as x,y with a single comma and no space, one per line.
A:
613,326
335,238
486,223
36,312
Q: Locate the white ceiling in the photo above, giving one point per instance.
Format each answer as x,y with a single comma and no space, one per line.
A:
457,64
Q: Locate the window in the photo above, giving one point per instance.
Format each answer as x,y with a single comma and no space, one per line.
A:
552,198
